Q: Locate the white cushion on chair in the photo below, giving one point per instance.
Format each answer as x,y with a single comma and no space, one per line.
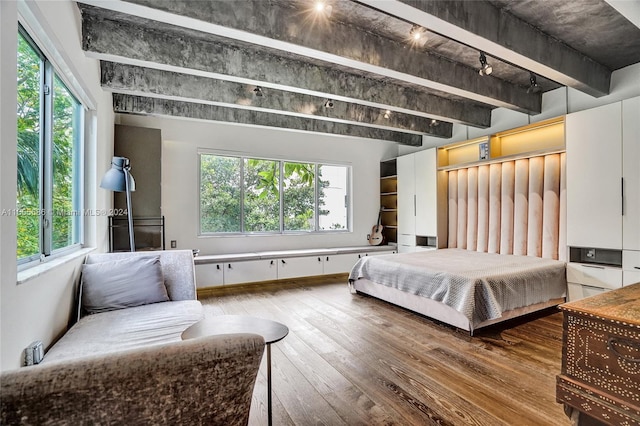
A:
124,283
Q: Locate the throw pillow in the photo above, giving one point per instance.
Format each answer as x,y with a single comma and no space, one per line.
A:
125,283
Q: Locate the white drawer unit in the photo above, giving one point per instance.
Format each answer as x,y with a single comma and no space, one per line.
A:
593,270
630,267
585,280
250,271
209,274
294,267
406,243
339,263
579,291
594,275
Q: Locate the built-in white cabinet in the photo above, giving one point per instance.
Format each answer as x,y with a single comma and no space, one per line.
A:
631,173
603,193
406,202
630,267
294,267
594,177
250,270
266,266
209,274
426,192
339,263
585,280
417,198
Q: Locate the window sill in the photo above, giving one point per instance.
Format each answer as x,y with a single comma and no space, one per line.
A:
42,268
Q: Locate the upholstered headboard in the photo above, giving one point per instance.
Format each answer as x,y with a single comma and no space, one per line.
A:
512,207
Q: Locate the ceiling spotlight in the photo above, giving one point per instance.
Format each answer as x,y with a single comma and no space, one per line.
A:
418,35
258,91
328,103
485,67
387,114
534,87
434,122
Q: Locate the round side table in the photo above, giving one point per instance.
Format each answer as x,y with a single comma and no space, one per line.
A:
271,331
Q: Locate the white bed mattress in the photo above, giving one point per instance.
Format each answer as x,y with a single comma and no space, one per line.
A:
480,286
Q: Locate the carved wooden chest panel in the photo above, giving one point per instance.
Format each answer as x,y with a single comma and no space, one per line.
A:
601,356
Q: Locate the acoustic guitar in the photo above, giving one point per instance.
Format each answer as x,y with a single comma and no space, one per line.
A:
376,238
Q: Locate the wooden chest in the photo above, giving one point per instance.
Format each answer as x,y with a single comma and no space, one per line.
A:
601,357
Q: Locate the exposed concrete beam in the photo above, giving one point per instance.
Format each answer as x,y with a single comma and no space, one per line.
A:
270,25
163,49
151,106
133,80
502,35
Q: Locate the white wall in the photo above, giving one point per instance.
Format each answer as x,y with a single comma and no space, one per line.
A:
39,308
625,84
181,140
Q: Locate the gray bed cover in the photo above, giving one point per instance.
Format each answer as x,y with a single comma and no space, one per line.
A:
481,286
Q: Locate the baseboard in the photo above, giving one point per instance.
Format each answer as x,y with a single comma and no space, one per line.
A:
265,285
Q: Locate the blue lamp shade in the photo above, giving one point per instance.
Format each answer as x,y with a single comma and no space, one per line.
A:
114,179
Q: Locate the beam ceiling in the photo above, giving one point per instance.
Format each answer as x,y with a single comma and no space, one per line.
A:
203,59
504,36
133,80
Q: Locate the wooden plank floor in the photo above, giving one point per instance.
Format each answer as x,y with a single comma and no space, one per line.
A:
350,359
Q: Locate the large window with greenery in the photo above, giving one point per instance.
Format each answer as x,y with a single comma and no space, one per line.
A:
49,117
255,195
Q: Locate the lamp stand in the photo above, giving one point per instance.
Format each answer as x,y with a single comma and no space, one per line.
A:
132,244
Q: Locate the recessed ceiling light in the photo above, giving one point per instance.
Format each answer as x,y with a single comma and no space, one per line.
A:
323,7
258,91
387,114
328,103
418,35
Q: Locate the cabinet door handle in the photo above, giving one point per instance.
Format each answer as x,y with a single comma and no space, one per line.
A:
319,259
218,267
283,262
415,208
636,267
359,256
272,262
622,194
229,266
327,258
592,266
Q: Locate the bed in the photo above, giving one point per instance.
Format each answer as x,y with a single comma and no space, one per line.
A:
463,288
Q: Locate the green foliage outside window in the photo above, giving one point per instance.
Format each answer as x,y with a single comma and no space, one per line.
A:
220,195
32,142
28,112
64,109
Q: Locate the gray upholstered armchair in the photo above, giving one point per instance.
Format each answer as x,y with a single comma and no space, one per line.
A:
208,380
128,364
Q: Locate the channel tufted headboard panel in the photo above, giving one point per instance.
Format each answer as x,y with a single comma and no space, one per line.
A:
513,207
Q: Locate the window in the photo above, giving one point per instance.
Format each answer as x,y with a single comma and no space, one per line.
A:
254,195
49,122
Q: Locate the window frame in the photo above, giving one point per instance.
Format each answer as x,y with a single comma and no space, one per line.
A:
282,231
49,77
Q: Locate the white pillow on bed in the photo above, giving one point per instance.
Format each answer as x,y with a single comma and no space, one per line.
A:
125,283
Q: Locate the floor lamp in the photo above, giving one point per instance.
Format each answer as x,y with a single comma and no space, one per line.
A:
118,179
